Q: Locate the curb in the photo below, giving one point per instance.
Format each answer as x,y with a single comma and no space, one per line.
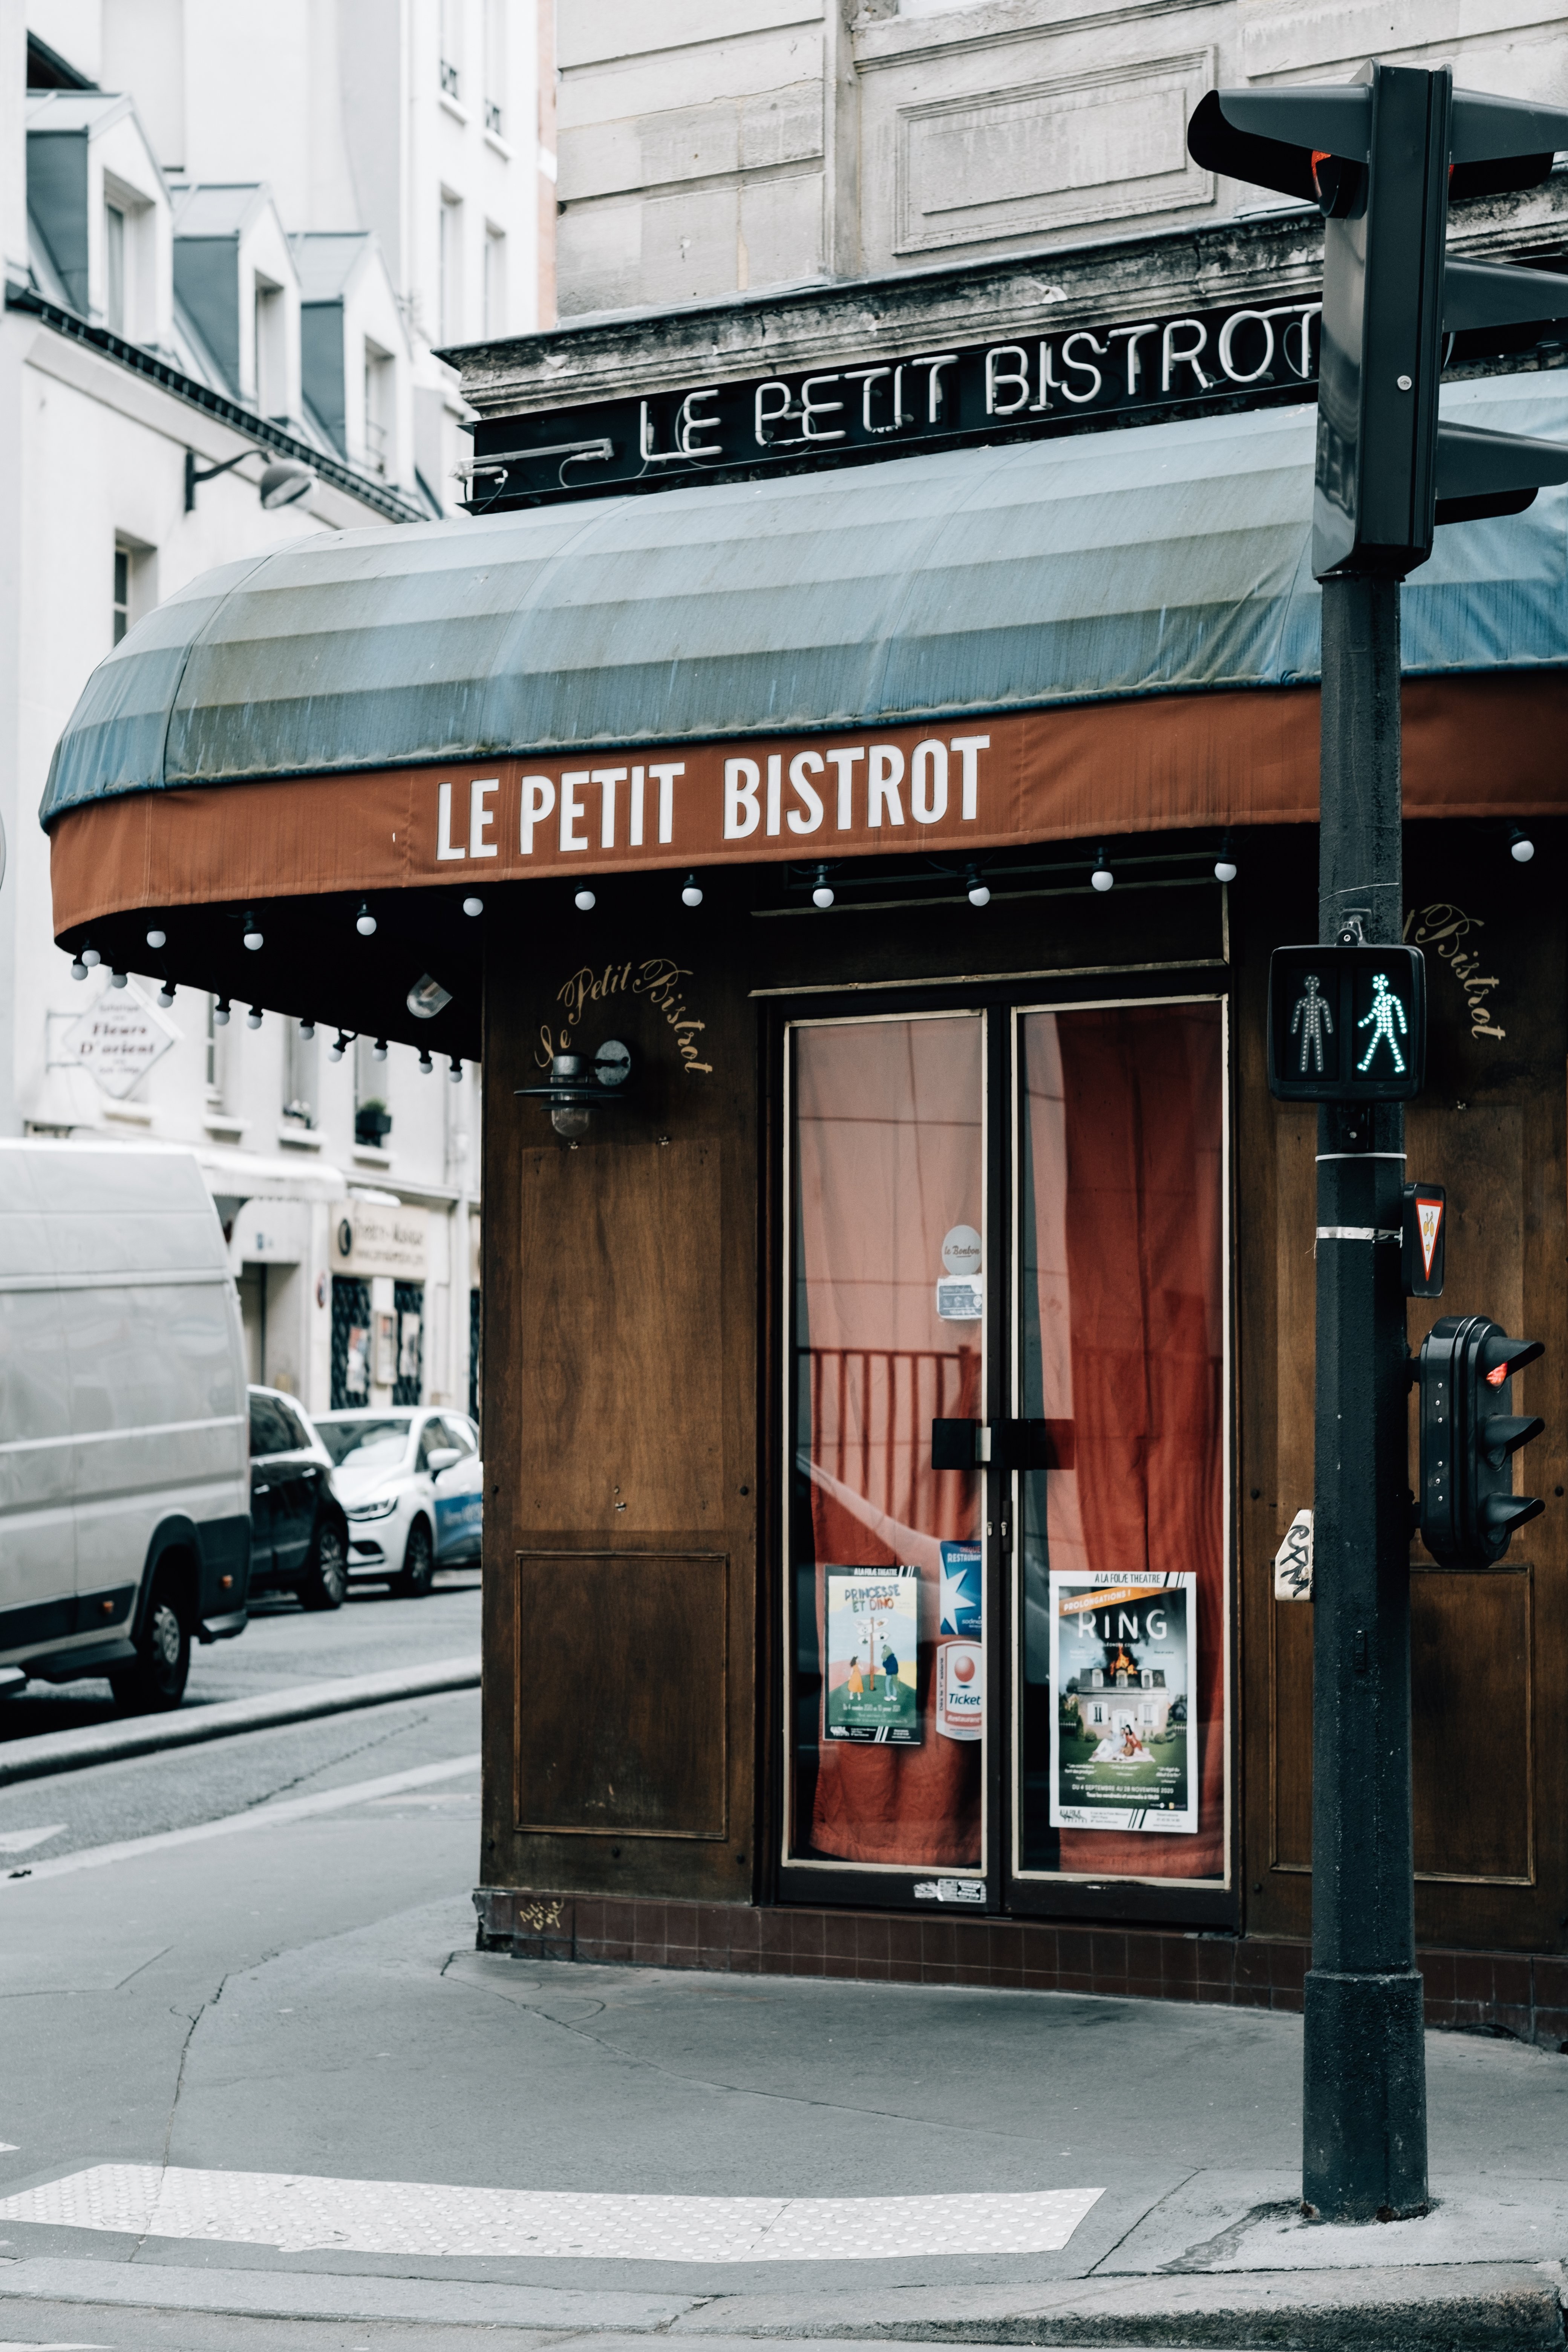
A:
1469,2307
108,1743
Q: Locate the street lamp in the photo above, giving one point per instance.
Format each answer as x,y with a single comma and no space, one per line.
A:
284,480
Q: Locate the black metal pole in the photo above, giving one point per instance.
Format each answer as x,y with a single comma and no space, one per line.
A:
1364,2105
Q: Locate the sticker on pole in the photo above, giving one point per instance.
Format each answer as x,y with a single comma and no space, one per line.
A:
1426,1224
1293,1561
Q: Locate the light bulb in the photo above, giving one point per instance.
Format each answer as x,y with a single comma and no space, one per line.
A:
691,893
89,956
1225,869
79,970
473,906
569,1118
456,1072
1520,848
307,1030
364,922
220,1013
426,1065
379,1049
157,939
252,936
822,895
117,980
979,891
166,994
339,1047
1102,878
253,1018
585,902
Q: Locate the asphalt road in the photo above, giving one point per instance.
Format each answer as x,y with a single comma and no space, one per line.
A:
282,1646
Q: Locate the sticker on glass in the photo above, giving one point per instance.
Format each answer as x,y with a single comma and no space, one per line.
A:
873,1630
1123,1756
960,1290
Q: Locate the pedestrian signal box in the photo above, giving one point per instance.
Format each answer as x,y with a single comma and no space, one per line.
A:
1347,1024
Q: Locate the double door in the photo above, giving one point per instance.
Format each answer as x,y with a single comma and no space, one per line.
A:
1006,1605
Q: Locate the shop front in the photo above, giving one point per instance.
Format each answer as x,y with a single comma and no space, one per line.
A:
858,888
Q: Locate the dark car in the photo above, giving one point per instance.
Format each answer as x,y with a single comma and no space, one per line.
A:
299,1538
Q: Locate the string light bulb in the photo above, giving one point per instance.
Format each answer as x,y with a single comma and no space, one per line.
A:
117,980
473,906
91,956
426,1063
822,895
1102,878
220,1013
253,939
1520,847
379,1049
339,1047
585,902
157,939
456,1072
166,994
364,921
691,892
253,1018
1224,864
79,968
307,1030
979,891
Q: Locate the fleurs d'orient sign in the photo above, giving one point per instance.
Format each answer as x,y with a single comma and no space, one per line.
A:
1045,382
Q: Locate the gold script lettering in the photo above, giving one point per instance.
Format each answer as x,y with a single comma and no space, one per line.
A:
1442,930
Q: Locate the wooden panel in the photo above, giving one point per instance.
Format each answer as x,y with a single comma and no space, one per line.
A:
623,1367
1472,1704
623,1693
1290,1643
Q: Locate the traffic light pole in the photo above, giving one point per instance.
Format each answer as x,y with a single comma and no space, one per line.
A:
1365,2104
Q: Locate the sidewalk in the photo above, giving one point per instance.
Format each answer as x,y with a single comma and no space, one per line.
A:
460,2140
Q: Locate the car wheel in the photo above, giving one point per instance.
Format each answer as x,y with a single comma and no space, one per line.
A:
157,1679
326,1581
418,1564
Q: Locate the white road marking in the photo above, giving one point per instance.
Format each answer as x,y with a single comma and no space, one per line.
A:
36,2347
19,1841
300,2213
256,1817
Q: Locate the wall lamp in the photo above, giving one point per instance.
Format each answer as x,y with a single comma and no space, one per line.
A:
579,1087
284,480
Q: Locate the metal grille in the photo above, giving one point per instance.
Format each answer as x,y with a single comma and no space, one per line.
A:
351,1342
474,1355
408,1299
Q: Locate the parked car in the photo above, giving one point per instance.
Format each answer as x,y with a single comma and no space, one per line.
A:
124,1509
299,1535
412,1484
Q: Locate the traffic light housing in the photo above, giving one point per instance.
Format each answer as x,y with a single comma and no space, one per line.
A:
1382,157
1469,1509
1347,1024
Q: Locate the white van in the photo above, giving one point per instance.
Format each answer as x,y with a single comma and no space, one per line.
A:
124,1444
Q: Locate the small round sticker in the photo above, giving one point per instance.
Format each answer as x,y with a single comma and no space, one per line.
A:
961,1250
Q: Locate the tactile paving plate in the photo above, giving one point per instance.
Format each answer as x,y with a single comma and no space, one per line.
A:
300,2213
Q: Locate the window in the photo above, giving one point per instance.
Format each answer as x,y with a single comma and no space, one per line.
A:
372,1120
451,258
495,281
271,356
114,268
452,47
122,592
211,1072
269,1430
300,1066
495,66
380,391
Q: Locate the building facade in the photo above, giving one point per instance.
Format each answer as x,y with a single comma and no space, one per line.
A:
879,717
233,238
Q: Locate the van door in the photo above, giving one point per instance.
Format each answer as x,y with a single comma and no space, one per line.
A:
37,1531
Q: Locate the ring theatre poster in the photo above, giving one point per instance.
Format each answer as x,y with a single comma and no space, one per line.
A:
1121,1656
873,1630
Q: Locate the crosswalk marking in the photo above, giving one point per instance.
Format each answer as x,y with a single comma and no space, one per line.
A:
303,2213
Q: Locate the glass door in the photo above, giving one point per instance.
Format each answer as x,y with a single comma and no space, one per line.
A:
1122,1665
885,1626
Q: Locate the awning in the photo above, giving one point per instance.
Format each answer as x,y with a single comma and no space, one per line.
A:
956,653
1172,558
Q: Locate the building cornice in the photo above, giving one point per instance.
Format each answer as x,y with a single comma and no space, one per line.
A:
795,329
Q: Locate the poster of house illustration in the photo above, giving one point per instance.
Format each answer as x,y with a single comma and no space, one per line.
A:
873,1630
1121,1658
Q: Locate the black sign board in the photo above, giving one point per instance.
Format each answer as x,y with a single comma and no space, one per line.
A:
1425,1240
1347,1024
1045,382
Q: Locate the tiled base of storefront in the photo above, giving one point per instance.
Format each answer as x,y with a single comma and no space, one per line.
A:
1502,1992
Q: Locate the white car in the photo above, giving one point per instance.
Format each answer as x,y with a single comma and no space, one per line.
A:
411,1485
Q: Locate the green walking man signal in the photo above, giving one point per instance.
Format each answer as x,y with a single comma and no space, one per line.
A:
1347,1024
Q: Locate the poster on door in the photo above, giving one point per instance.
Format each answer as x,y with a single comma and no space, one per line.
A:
872,1693
1123,1756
